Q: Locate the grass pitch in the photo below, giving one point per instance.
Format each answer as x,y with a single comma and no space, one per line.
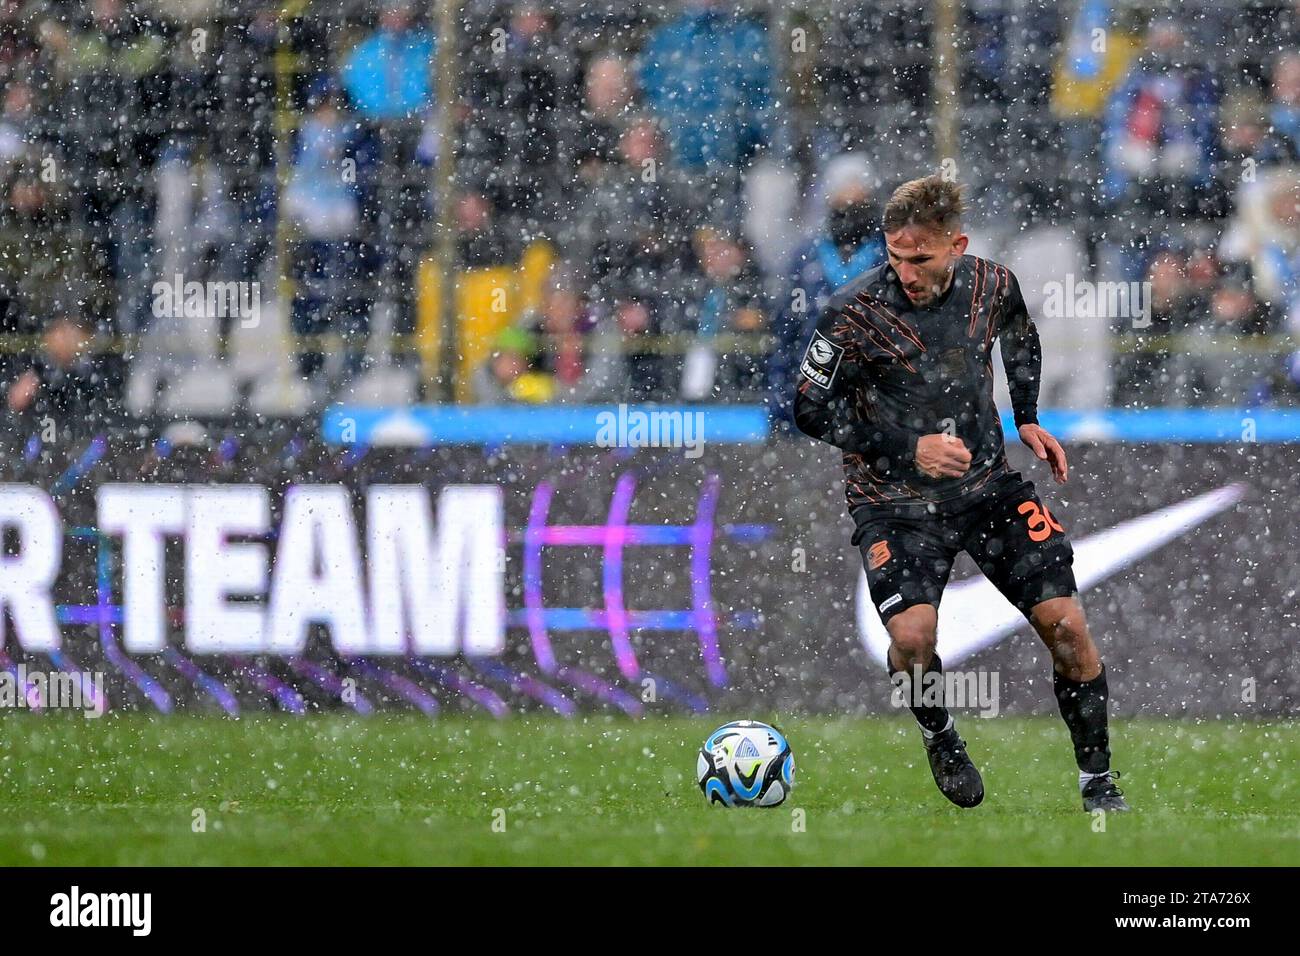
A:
130,789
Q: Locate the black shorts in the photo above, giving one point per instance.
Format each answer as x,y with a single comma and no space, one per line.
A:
1015,540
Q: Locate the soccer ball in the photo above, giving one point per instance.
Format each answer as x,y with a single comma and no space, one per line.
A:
745,763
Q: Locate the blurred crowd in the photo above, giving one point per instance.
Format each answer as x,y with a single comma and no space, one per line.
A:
649,202
1201,190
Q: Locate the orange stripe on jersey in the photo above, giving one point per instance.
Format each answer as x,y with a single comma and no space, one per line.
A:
977,289
1002,276
852,348
873,497
878,308
877,336
849,310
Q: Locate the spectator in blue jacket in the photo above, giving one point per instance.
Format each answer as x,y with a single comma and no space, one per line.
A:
707,76
387,74
1160,131
848,243
331,261
1283,145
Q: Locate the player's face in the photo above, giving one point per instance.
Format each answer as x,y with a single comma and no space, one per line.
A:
924,257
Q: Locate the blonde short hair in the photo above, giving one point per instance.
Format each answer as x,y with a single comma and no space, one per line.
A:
929,201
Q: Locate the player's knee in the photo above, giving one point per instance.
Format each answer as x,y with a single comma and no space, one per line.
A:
1063,628
912,636
1059,626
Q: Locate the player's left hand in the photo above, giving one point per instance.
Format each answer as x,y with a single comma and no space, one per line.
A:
1042,444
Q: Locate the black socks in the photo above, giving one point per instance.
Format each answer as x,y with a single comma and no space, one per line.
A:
932,719
1083,707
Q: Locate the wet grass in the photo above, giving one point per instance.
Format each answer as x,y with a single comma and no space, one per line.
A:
131,789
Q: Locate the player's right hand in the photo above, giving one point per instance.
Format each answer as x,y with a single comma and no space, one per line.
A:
942,456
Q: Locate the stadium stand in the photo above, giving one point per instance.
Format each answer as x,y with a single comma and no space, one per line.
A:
641,192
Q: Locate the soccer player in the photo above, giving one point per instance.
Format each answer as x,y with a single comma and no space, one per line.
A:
899,375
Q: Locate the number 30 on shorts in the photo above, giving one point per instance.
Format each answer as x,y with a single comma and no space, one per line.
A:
1040,521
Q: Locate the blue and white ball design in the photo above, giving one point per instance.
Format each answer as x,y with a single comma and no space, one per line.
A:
745,763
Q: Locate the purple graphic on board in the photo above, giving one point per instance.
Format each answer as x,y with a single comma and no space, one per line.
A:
284,684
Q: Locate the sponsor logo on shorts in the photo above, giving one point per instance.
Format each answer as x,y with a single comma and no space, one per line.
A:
890,602
821,360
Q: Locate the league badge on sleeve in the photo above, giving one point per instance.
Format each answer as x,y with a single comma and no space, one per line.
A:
822,360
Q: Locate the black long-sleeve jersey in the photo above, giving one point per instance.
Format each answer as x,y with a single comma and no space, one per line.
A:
879,372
